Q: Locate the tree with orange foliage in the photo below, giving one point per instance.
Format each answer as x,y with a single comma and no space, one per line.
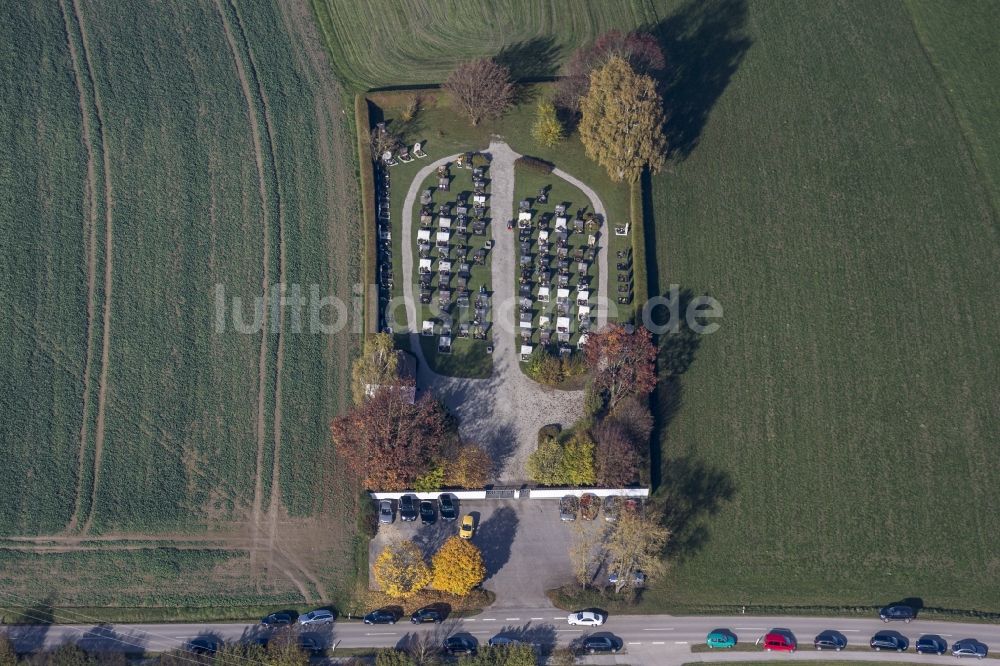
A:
389,442
623,360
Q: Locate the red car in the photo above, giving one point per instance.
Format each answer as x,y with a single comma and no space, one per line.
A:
778,642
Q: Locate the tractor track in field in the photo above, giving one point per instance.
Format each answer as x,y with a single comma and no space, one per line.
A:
261,136
333,142
102,392
90,245
279,364
261,424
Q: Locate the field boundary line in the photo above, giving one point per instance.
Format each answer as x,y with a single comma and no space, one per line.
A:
90,245
102,391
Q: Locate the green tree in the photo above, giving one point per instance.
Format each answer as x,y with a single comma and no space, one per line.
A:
545,465
501,655
458,566
400,570
547,130
578,461
377,366
622,123
431,481
390,657
569,464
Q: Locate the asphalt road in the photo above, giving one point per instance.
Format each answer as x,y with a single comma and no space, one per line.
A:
648,639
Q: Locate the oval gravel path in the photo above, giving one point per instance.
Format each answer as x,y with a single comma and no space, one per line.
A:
504,411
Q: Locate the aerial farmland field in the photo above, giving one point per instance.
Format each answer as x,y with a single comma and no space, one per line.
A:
833,185
151,157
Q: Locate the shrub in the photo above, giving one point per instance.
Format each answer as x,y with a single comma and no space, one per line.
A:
550,431
431,481
535,164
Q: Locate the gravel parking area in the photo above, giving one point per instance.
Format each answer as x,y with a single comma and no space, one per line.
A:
524,544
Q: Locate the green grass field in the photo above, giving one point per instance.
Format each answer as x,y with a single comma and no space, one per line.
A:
849,402
150,157
833,185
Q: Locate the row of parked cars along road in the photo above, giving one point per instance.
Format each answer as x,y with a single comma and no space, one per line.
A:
776,640
783,640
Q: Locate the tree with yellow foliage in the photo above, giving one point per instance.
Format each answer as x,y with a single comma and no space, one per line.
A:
547,130
458,567
622,123
400,570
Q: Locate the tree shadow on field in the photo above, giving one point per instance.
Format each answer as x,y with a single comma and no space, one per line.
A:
704,44
677,349
692,490
530,59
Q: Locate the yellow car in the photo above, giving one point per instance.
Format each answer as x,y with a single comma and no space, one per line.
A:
468,527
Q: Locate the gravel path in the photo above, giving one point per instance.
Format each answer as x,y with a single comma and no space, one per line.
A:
505,411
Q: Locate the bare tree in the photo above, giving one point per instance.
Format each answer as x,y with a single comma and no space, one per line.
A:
586,551
382,140
481,88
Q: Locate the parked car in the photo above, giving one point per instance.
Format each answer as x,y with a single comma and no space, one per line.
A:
447,507
830,640
889,640
501,641
428,512
427,614
381,616
277,619
318,616
204,645
590,504
586,618
386,514
601,643
568,506
638,579
612,507
468,527
930,644
897,612
460,644
778,641
720,638
310,645
969,647
408,508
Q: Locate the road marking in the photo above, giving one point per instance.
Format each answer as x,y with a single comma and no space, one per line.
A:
489,619
948,635
660,629
559,617
388,633
635,642
470,620
680,642
657,642
512,619
538,618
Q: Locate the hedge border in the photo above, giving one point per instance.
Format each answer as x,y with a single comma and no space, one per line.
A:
362,120
640,275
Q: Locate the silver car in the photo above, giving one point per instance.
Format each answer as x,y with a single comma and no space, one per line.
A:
386,512
319,616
